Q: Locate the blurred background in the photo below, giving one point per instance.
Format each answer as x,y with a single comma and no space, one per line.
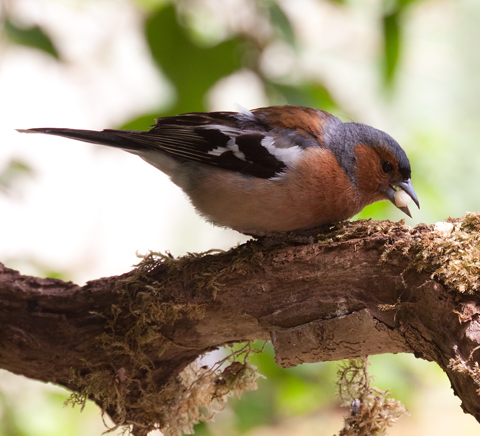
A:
77,211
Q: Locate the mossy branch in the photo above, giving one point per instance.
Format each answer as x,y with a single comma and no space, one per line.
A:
130,342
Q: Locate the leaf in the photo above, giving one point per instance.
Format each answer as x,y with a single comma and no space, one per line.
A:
32,37
15,171
281,23
392,36
193,69
392,42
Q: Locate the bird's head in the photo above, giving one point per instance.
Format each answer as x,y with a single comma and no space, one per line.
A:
382,169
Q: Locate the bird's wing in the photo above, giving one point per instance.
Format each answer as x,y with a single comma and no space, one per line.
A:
260,143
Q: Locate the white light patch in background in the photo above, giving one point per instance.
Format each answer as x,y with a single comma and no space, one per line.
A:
89,209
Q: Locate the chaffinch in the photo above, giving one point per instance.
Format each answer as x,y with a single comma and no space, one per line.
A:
269,170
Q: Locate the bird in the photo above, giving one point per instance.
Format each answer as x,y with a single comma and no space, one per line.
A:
268,170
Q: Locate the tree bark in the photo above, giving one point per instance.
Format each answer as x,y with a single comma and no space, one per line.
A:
361,288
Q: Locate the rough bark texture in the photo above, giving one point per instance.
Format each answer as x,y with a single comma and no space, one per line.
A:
362,288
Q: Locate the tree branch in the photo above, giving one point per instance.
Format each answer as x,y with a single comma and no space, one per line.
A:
362,288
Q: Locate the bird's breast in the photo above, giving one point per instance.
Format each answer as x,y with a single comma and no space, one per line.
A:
314,193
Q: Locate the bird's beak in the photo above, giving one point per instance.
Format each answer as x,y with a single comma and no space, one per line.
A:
408,188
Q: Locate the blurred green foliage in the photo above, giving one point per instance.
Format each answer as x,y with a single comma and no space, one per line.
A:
392,38
192,68
392,26
285,392
38,409
13,172
30,36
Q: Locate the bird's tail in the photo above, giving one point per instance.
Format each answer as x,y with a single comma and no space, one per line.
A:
124,139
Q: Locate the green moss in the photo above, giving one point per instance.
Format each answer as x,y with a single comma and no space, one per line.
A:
470,368
371,411
347,230
133,334
195,395
452,257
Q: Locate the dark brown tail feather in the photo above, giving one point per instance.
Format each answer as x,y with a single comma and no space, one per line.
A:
114,138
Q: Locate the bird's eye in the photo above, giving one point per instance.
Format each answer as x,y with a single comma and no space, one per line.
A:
387,167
